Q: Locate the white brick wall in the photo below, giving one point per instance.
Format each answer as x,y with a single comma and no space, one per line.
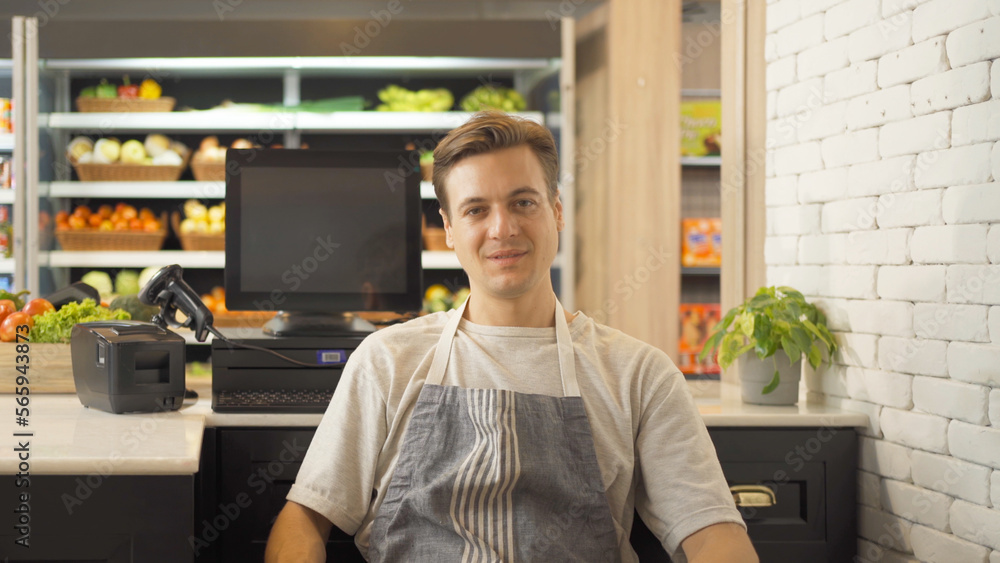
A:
949,244
974,284
951,399
824,185
798,158
884,246
849,281
849,16
892,8
851,148
823,58
822,122
869,489
951,322
941,16
918,134
975,523
882,176
781,190
879,107
974,43
916,503
912,283
884,458
913,355
852,81
910,209
880,387
952,167
780,73
972,442
886,212
859,350
961,479
909,64
884,529
993,244
880,38
781,14
974,363
793,219
894,318
995,413
972,204
800,35
823,249
781,250
938,547
915,430
800,97
948,90
849,215
977,123
994,324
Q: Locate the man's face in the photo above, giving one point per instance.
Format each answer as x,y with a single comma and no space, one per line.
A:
502,226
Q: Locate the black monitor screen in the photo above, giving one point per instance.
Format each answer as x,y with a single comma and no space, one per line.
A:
324,231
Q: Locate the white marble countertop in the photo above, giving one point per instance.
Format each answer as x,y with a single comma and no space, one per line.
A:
68,439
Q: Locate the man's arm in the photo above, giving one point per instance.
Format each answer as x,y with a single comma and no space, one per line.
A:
299,534
724,543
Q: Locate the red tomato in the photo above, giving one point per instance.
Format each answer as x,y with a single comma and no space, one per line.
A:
9,302
37,307
8,328
6,308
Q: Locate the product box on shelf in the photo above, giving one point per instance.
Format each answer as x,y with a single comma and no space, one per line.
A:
701,242
697,321
701,128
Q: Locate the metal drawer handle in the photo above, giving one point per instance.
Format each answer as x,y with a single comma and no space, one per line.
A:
752,495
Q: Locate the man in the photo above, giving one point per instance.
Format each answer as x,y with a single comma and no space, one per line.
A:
509,429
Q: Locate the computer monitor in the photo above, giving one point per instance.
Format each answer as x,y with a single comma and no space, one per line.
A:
320,234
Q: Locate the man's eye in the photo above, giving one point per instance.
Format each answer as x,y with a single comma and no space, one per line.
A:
474,211
525,203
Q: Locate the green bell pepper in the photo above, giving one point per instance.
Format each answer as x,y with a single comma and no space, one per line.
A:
106,90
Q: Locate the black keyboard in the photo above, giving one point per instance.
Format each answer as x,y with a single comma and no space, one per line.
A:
273,400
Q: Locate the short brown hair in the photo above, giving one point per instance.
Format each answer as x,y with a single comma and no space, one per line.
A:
489,131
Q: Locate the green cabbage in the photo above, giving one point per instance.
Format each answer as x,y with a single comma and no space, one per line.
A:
127,282
57,326
100,281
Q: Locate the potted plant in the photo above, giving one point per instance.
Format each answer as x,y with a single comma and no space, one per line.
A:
775,323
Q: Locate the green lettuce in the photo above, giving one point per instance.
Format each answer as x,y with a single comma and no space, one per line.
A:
57,326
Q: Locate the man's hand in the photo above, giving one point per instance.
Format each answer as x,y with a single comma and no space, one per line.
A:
299,534
724,542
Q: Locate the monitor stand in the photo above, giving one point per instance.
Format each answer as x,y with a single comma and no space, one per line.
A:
298,323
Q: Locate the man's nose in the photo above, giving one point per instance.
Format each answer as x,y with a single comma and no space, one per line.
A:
503,224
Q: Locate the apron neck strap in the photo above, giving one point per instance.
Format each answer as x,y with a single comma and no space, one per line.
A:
564,344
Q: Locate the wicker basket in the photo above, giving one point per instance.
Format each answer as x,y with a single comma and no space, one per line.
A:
208,171
93,239
119,105
435,239
119,172
193,241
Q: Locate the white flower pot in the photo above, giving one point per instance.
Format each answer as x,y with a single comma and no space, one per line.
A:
755,374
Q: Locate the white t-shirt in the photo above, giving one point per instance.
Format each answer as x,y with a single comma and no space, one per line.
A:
652,446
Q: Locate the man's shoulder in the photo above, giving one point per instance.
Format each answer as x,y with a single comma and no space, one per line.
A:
420,332
620,347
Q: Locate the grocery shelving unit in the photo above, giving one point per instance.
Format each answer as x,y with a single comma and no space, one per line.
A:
60,123
7,145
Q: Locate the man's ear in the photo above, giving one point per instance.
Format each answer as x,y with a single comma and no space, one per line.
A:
560,220
447,229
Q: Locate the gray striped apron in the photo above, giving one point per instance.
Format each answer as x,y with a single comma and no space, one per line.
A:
493,475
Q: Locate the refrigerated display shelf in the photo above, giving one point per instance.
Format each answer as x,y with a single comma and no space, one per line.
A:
701,161
222,121
6,142
6,265
135,190
6,196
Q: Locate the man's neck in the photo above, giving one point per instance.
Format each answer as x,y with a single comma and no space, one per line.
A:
527,311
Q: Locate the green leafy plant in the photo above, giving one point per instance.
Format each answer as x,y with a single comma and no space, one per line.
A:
774,317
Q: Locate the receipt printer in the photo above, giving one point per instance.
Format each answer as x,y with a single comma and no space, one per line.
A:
127,366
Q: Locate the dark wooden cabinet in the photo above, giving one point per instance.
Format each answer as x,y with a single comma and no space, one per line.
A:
115,519
811,471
